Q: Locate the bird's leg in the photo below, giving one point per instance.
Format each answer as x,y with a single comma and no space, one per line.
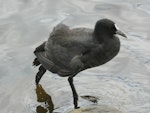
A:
40,73
75,95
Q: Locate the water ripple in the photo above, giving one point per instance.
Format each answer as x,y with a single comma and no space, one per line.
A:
101,7
144,7
122,83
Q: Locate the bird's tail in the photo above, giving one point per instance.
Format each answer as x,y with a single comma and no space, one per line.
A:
36,62
38,49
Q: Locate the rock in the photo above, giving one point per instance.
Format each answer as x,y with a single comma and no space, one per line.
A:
96,109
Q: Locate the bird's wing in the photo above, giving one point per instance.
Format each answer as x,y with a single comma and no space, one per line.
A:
69,49
93,57
59,34
64,36
51,66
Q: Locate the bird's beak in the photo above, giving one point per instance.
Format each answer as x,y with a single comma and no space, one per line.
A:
121,33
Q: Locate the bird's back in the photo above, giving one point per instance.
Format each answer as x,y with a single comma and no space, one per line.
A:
70,51
65,46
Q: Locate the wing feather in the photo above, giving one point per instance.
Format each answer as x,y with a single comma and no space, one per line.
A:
67,51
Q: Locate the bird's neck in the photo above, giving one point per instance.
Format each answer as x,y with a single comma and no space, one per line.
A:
108,41
102,38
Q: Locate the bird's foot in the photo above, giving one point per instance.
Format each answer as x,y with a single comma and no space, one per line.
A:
76,107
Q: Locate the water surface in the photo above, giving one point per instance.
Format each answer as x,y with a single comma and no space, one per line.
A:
123,83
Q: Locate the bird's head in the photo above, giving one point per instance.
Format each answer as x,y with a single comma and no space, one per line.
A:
107,28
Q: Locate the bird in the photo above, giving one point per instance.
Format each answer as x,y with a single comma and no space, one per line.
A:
69,51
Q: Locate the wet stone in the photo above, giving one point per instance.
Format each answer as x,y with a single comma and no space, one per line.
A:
96,109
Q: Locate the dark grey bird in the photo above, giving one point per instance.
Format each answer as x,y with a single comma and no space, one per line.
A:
70,51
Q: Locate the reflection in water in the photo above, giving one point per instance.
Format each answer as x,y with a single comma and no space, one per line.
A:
42,96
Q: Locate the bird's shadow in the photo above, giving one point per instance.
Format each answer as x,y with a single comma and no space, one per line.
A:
43,97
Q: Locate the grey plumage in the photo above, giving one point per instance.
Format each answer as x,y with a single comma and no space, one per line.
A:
69,51
73,50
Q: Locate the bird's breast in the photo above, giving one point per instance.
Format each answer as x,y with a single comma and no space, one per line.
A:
111,49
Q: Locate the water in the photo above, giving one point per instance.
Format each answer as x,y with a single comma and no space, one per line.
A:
123,83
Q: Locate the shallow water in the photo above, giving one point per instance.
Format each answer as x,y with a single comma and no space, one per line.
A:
123,83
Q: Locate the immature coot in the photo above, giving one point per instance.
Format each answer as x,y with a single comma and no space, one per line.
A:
70,51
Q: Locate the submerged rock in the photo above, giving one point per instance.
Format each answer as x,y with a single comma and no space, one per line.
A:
96,109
